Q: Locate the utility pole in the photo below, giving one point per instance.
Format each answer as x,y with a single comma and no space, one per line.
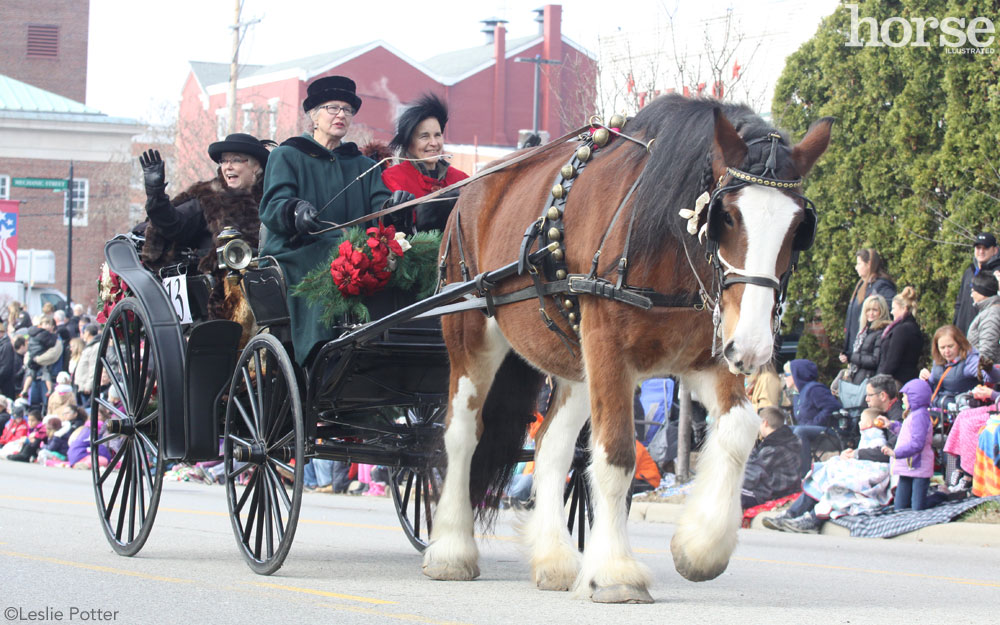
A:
69,237
238,28
538,61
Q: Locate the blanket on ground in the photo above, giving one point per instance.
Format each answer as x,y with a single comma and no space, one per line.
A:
887,523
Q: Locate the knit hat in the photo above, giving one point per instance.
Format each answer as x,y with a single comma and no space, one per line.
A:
984,283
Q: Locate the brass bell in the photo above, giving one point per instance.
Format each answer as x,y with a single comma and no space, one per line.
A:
576,328
557,191
554,234
601,137
567,171
572,317
567,303
553,214
583,154
561,274
617,121
558,254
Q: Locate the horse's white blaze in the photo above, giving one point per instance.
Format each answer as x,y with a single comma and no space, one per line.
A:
554,560
707,529
607,558
767,216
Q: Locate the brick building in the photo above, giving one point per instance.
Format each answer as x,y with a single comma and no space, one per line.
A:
489,93
44,128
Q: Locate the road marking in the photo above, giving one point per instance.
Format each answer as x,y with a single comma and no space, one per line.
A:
94,567
323,593
835,567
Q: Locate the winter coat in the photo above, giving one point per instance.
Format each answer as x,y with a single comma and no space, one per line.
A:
15,429
984,331
902,346
407,176
302,169
193,220
815,403
40,341
773,468
965,311
8,367
83,377
914,456
864,360
961,378
879,286
895,416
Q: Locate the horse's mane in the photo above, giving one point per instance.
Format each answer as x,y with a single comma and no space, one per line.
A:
679,167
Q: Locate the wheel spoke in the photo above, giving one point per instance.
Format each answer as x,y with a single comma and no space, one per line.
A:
123,504
261,417
149,447
246,418
250,398
281,489
106,439
151,417
115,381
269,505
287,467
252,512
114,409
285,440
111,465
247,491
133,486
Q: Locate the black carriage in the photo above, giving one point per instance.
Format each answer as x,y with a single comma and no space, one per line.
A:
375,395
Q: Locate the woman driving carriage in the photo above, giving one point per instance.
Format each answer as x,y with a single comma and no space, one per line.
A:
420,139
194,218
312,177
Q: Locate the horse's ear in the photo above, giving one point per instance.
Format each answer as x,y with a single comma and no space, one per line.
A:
728,149
812,146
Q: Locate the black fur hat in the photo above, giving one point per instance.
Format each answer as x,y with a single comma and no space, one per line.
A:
331,88
427,105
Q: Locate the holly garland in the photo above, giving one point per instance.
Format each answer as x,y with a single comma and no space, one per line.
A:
367,261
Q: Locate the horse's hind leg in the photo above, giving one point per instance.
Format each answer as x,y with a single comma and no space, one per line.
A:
706,534
610,573
452,553
555,562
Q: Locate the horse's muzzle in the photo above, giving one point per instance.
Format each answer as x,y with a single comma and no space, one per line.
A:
740,361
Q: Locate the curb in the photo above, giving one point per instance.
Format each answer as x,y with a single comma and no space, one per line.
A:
954,533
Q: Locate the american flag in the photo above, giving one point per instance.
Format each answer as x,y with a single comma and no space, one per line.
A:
8,240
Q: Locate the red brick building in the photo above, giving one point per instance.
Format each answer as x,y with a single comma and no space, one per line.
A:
44,128
489,93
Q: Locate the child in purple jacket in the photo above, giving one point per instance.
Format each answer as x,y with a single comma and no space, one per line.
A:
914,458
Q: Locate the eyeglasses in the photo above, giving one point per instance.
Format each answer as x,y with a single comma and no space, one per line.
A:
235,160
335,110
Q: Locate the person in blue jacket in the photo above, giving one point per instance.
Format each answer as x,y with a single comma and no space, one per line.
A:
812,408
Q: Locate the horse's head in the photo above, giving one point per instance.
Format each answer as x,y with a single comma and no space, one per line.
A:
757,224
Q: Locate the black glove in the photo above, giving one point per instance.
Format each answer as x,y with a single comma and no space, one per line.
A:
398,197
305,218
153,172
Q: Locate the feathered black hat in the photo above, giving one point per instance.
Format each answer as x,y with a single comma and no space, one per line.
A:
427,105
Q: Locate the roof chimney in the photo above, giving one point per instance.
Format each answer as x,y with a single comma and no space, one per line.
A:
489,26
540,19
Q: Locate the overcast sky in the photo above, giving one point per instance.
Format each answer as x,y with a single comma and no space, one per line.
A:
139,49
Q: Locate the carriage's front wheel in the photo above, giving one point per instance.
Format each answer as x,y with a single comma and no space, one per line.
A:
415,489
263,453
128,487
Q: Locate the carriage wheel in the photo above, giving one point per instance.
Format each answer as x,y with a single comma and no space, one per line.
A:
128,488
263,453
415,490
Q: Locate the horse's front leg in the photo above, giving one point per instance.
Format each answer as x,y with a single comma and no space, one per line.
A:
452,553
555,562
610,573
706,534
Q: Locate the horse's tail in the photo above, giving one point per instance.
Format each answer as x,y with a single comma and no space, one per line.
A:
508,411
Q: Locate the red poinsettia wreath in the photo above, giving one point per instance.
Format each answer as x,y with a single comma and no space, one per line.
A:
366,262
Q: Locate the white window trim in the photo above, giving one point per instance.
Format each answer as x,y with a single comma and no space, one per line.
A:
80,212
272,116
221,123
4,187
249,125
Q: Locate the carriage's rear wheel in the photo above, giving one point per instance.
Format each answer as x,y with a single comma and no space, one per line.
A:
263,453
128,488
415,490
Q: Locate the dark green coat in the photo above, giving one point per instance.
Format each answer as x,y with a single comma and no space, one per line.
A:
311,172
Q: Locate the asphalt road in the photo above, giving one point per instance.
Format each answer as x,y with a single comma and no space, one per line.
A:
351,563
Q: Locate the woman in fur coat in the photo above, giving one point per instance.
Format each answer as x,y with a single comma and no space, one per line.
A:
194,218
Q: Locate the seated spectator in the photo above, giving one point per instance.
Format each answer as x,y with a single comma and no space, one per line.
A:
62,395
813,407
872,436
984,331
36,436
764,388
913,457
4,412
647,474
956,366
78,452
15,430
773,468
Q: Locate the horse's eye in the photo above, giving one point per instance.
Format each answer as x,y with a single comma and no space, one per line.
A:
728,219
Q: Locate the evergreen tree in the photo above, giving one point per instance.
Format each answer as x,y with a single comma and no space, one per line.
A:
912,169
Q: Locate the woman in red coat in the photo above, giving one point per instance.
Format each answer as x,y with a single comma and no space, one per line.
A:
420,135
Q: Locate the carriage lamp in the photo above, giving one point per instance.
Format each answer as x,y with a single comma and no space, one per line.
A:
234,254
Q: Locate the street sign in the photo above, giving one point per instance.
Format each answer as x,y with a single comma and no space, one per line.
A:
56,184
